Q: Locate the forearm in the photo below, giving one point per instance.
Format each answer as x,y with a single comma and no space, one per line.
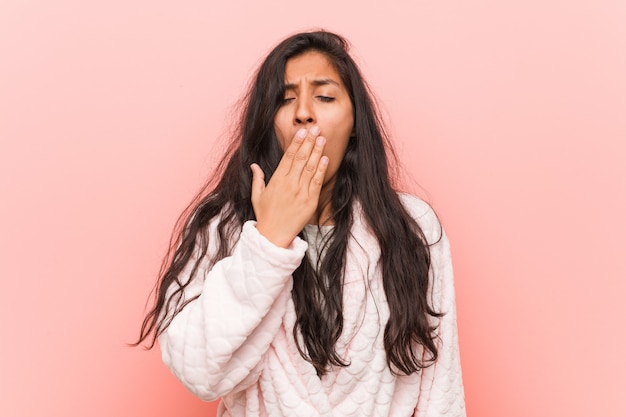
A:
218,341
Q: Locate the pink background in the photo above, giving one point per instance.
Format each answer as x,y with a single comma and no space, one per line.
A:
511,115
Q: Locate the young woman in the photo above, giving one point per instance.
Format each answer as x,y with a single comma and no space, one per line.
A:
302,284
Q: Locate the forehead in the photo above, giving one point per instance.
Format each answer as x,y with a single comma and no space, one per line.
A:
310,66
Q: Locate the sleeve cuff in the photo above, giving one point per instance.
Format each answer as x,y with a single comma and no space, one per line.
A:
293,254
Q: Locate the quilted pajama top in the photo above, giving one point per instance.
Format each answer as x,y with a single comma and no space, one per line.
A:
236,340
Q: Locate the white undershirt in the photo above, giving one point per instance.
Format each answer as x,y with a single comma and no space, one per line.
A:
317,238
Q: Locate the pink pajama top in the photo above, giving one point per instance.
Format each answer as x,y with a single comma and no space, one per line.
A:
236,340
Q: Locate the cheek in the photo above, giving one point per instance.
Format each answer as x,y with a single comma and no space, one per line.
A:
335,150
283,144
281,130
343,123
341,128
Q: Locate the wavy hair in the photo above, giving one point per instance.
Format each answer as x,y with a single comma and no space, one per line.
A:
365,177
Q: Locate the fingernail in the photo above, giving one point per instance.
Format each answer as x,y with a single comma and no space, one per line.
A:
301,133
320,140
315,130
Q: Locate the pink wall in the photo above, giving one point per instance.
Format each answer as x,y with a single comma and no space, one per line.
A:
512,115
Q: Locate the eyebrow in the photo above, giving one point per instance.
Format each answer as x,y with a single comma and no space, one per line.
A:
317,83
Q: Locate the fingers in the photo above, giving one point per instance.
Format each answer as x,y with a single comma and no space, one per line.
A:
291,196
284,166
303,154
318,178
258,182
311,165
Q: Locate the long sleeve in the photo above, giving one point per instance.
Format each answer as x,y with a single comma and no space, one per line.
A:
217,343
442,384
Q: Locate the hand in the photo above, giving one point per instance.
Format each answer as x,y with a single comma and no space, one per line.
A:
290,199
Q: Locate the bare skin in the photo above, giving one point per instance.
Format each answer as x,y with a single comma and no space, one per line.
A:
315,100
291,197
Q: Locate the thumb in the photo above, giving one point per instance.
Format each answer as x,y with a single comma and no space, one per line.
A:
258,181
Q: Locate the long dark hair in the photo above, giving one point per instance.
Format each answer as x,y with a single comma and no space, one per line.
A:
364,177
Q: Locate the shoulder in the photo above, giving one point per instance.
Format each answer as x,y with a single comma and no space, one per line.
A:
424,215
415,205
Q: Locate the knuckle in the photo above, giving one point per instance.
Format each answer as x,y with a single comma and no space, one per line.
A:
300,156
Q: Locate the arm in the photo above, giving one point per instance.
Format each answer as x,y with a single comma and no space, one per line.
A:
216,344
442,384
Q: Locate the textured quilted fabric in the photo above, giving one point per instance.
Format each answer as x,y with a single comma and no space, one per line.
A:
235,341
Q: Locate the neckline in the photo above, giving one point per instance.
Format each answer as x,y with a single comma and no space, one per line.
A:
315,227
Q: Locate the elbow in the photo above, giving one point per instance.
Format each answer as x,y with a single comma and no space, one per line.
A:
203,392
210,390
208,386
192,378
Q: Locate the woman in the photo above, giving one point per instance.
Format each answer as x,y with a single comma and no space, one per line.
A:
302,284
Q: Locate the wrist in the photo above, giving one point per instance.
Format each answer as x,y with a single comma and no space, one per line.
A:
275,237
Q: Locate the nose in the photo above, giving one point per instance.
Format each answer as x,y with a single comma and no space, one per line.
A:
304,113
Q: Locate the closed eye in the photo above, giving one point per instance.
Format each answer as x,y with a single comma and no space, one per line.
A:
288,99
326,99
